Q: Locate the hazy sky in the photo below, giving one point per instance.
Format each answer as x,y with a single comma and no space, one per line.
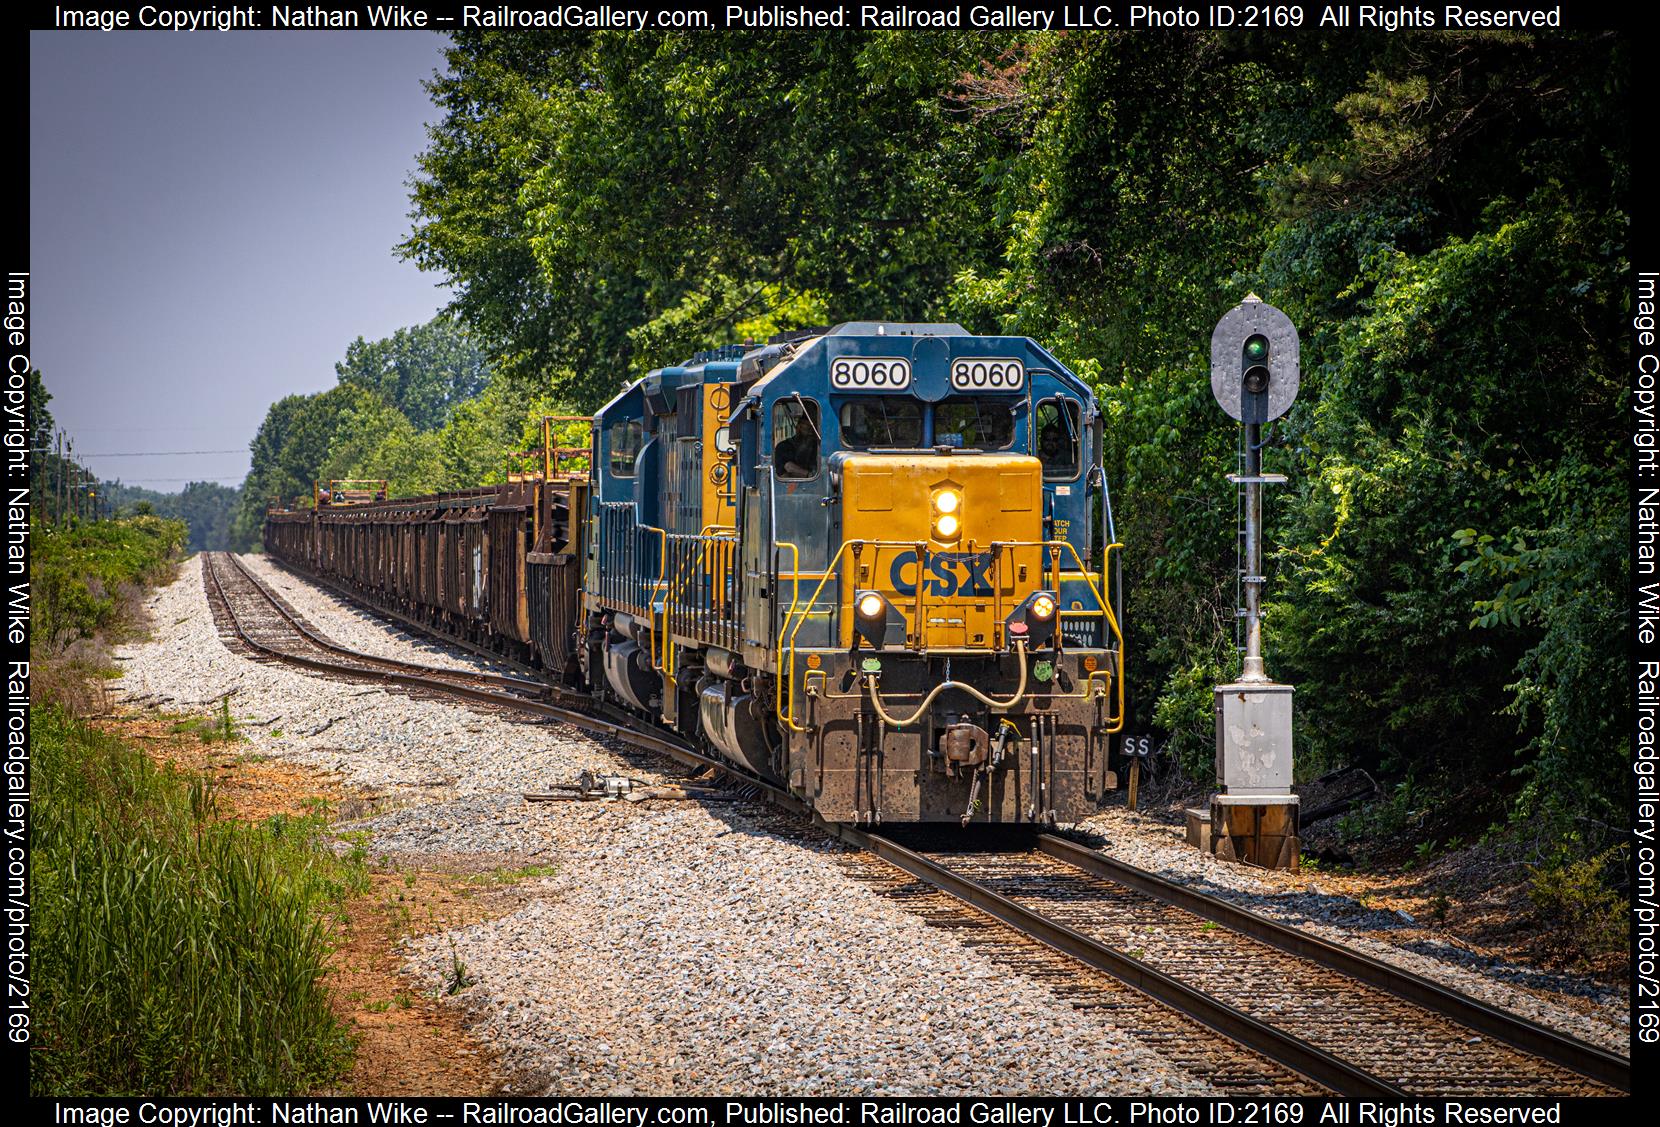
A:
211,222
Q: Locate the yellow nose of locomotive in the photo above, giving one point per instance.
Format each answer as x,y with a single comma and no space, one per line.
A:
953,542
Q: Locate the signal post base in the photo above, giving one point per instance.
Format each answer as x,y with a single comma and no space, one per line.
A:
1256,830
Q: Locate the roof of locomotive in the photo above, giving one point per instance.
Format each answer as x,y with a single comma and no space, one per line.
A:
929,352
806,357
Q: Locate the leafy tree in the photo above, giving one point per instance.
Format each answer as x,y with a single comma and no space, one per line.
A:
423,372
604,202
41,424
1442,214
1456,553
210,509
291,449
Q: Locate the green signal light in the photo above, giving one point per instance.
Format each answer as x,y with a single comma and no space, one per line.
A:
1256,348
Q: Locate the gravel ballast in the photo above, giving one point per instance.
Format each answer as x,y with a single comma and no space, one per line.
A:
681,947
1572,1004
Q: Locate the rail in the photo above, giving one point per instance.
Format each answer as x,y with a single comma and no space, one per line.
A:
1588,1060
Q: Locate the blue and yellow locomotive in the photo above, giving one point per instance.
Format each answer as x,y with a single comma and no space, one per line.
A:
871,563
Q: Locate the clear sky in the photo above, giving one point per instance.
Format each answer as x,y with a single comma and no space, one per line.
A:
211,221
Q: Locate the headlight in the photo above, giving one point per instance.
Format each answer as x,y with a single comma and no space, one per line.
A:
947,501
1033,620
946,527
871,614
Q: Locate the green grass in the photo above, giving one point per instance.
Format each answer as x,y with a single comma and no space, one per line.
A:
221,727
177,953
513,876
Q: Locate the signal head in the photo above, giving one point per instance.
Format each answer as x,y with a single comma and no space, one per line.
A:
1254,362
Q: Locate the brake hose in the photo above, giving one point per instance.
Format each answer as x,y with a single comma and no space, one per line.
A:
1020,691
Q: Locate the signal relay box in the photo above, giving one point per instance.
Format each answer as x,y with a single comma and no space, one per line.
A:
1253,738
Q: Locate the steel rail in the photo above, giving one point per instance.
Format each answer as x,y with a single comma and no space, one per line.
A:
520,684
1303,1059
364,602
1530,1037
451,686
1277,1045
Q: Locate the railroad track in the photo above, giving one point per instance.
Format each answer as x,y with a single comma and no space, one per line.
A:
1258,1007
263,621
252,615
1349,1023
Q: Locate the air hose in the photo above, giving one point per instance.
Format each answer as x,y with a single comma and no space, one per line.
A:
1019,692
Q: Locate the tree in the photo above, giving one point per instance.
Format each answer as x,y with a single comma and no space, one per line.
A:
1442,214
607,202
291,450
423,372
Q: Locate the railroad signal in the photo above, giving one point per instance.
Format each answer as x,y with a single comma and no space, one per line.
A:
1254,362
1253,375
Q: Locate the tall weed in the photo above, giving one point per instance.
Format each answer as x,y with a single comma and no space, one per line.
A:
177,954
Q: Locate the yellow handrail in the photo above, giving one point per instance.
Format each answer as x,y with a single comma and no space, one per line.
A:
829,570
795,596
784,704
706,535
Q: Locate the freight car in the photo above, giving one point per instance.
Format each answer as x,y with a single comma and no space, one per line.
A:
494,567
872,563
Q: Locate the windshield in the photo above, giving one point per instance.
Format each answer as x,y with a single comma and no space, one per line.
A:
974,423
881,420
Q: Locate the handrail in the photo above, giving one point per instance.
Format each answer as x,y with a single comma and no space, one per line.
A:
784,705
705,538
795,597
829,570
1116,724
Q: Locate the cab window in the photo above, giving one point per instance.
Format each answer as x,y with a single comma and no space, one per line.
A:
881,420
1059,438
624,443
975,423
795,438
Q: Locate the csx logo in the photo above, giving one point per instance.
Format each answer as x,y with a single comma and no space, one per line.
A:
949,573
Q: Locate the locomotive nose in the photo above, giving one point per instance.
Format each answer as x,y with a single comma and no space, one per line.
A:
951,542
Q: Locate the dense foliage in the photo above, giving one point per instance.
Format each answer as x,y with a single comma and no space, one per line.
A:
175,953
207,507
1443,215
84,578
611,202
